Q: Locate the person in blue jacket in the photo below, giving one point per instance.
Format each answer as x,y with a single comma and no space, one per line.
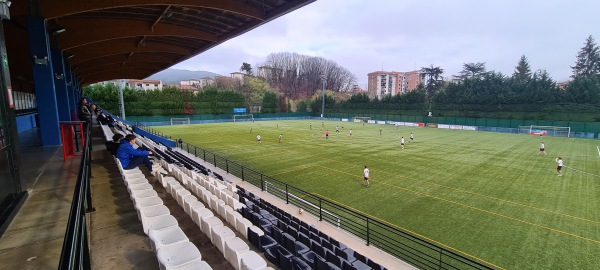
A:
131,158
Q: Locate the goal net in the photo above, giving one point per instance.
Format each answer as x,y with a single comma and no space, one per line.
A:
359,119
545,130
180,121
243,117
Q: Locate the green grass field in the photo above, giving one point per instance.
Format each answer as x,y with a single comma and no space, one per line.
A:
489,195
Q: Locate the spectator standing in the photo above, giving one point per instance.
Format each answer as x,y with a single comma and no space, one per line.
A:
84,113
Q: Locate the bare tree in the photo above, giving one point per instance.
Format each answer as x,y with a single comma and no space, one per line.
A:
299,76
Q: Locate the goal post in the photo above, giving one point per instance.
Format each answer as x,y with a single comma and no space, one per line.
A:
243,117
360,119
545,130
180,121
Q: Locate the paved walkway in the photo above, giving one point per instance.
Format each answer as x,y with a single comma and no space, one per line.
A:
35,236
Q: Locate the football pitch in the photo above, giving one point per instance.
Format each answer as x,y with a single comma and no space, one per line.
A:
489,195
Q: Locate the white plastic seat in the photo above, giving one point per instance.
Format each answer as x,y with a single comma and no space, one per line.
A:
177,255
219,235
208,223
212,202
206,196
148,201
159,223
153,211
187,203
234,248
233,203
258,231
195,265
140,186
134,181
175,186
199,213
169,236
242,225
221,208
233,219
165,179
252,261
138,194
180,194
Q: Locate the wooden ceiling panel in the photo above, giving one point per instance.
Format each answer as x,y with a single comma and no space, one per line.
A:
121,39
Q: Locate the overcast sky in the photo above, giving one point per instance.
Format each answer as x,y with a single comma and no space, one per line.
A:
399,35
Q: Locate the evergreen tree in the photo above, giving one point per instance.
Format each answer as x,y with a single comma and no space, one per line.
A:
588,59
472,70
434,79
246,68
522,70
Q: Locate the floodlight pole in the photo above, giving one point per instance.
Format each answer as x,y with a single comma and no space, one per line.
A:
122,103
323,97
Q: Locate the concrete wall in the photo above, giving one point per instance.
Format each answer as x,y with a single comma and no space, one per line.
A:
25,122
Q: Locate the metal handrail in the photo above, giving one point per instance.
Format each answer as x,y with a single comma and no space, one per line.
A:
75,250
400,243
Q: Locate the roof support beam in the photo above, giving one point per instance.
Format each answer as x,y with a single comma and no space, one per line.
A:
121,46
91,69
98,30
62,8
120,58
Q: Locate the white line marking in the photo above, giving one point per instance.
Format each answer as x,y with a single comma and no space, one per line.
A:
583,171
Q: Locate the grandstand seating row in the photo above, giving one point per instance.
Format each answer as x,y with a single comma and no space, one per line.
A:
167,236
286,241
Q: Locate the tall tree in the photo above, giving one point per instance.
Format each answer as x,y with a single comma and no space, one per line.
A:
588,59
472,70
246,68
433,83
299,76
522,70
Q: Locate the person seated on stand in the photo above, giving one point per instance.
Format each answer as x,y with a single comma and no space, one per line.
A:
113,146
131,158
104,120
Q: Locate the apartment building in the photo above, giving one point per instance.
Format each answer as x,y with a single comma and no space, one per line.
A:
381,83
144,85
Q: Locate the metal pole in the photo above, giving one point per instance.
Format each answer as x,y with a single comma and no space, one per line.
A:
122,103
323,96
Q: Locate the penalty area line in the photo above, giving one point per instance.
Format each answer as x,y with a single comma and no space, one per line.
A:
584,172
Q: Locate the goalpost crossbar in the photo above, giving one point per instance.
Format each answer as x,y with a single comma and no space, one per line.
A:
359,119
246,117
180,121
545,130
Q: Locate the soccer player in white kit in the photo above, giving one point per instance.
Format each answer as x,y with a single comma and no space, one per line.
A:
366,172
542,149
258,138
402,142
412,137
559,163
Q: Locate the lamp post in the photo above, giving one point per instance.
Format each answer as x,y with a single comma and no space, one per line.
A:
323,97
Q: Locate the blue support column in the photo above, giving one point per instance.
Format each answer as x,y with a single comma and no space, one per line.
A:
60,85
70,91
43,76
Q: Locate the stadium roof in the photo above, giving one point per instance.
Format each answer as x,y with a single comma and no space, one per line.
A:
119,39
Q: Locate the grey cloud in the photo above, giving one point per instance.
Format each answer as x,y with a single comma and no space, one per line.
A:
361,35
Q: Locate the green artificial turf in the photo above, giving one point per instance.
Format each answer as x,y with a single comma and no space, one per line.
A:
488,195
